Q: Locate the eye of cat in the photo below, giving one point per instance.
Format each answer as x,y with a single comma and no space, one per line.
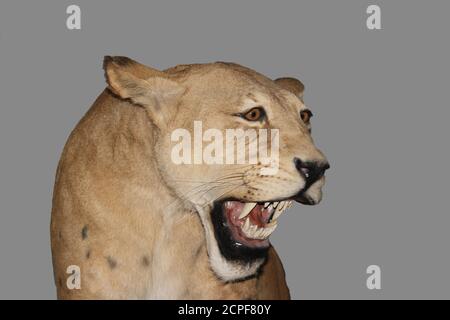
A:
306,115
255,114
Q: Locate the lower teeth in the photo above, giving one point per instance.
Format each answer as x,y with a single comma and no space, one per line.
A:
252,231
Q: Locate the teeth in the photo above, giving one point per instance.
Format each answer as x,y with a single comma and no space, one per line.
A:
280,209
246,226
254,232
277,214
264,233
271,223
257,233
247,208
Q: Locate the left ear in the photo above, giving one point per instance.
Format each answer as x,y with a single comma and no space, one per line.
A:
291,84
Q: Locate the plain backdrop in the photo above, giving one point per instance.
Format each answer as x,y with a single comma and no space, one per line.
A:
381,105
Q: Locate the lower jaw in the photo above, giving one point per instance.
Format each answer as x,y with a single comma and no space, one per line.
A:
232,243
239,237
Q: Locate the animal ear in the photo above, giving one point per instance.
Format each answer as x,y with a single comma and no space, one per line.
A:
140,84
291,84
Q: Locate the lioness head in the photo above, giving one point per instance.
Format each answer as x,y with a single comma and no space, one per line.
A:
238,202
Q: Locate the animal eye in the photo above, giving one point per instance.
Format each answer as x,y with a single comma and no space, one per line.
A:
255,114
306,116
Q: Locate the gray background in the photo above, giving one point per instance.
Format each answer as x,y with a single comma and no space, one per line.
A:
381,104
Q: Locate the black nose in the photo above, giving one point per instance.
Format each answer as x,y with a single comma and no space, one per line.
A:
311,170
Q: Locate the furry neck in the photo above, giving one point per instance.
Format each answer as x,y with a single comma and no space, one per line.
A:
153,212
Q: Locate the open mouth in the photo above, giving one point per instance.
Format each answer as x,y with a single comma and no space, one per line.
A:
252,223
242,229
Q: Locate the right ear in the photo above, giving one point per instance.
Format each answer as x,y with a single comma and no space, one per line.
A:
291,84
142,85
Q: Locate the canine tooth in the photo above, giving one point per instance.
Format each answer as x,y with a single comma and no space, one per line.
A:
246,226
247,208
266,204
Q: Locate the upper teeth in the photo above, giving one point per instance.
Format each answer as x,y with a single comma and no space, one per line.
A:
279,207
247,208
253,231
279,210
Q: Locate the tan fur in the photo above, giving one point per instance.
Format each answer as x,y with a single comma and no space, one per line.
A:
120,207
